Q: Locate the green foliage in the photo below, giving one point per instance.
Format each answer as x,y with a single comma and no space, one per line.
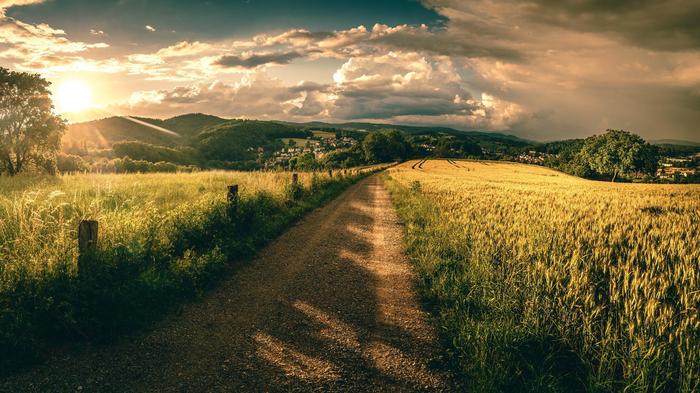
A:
127,165
343,158
304,162
30,133
385,146
617,153
452,147
240,140
153,153
68,163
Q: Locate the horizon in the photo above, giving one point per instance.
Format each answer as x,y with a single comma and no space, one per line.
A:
506,133
539,70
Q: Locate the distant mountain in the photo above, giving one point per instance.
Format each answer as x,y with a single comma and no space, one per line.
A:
105,132
677,142
414,130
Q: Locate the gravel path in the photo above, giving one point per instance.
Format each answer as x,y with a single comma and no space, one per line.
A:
329,306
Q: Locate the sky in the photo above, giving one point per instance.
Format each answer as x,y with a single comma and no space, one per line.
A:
539,69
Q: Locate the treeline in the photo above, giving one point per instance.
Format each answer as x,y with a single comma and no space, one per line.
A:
389,145
614,155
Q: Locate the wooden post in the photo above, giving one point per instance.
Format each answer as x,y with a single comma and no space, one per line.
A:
232,199
87,237
330,173
296,189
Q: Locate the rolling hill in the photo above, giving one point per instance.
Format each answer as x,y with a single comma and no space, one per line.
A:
103,133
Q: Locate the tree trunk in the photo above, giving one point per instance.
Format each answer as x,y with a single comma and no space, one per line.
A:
614,176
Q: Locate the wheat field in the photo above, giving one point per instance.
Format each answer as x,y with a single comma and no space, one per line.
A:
548,282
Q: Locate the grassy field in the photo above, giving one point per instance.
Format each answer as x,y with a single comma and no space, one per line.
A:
324,134
547,282
162,238
299,142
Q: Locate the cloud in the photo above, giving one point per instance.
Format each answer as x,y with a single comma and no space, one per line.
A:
399,86
253,60
4,4
668,26
542,69
35,46
257,96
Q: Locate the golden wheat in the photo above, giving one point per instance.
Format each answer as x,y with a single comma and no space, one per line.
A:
611,270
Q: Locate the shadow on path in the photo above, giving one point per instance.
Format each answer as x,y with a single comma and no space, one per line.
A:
329,305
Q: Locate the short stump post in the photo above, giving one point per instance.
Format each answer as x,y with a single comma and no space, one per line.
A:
87,242
232,199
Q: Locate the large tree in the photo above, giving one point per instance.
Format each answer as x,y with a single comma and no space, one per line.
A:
30,133
618,152
385,146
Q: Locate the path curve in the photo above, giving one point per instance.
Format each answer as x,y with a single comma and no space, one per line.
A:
329,305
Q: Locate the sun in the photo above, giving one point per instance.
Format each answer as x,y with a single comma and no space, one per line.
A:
72,96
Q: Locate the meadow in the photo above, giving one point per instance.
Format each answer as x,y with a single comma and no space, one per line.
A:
546,282
163,238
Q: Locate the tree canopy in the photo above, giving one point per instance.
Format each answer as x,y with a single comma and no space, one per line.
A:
618,152
385,146
30,133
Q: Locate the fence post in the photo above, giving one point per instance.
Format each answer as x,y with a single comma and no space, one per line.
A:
232,199
330,173
87,243
87,236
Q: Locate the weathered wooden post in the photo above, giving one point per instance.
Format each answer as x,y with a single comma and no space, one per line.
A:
232,199
87,243
330,173
296,188
87,237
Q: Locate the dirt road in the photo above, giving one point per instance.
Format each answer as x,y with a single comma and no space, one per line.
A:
328,306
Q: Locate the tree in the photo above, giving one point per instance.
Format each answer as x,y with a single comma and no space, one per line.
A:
449,147
343,158
69,163
30,133
618,152
303,162
385,146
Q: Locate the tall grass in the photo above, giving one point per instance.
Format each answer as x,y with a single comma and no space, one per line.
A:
162,238
546,282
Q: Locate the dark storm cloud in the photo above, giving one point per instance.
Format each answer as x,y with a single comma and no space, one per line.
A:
662,25
257,60
442,44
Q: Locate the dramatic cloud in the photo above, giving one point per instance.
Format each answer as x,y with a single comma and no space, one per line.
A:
661,25
38,47
542,69
259,96
4,4
253,60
